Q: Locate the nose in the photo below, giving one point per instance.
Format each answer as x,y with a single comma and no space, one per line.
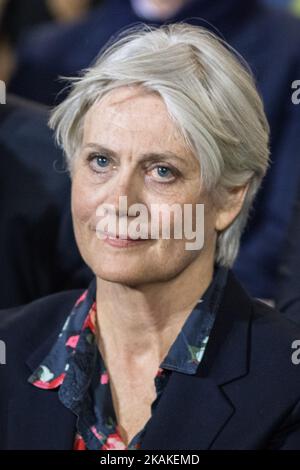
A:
125,187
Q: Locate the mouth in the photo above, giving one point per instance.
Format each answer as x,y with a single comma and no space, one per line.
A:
117,237
124,242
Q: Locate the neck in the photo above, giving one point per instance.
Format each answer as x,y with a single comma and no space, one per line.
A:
139,324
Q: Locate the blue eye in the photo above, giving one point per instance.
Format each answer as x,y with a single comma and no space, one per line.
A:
163,171
99,163
102,161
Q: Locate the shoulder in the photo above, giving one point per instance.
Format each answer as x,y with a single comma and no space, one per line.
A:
41,318
271,337
27,122
22,112
254,356
272,322
264,318
274,362
274,354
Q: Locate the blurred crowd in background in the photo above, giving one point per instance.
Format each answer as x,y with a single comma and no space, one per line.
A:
41,40
20,20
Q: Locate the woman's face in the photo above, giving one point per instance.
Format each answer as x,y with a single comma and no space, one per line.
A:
123,134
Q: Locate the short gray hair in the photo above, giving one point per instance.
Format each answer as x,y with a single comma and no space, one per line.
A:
209,93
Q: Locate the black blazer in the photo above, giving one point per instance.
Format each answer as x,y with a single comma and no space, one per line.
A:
245,395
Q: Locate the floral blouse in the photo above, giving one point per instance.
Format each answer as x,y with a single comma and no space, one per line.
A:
75,367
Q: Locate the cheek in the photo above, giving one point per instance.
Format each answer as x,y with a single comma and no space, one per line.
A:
82,200
209,217
172,257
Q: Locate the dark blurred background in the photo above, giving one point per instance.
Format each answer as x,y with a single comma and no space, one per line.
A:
19,18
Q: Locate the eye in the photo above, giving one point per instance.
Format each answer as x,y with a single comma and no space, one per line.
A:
99,162
163,171
163,174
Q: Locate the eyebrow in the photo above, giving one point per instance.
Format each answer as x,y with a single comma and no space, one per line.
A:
153,156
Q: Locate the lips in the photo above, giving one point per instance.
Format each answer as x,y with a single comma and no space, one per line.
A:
117,237
117,242
112,236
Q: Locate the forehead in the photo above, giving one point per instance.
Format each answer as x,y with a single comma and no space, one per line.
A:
132,113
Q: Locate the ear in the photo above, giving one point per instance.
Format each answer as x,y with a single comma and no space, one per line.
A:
231,209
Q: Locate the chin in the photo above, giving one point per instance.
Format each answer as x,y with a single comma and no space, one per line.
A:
134,273
125,277
117,269
134,276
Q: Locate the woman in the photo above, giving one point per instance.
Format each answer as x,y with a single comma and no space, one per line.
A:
165,350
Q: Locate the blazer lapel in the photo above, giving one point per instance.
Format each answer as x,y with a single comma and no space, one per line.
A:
194,409
189,415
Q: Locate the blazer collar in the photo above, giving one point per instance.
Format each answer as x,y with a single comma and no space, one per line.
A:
40,351
226,356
